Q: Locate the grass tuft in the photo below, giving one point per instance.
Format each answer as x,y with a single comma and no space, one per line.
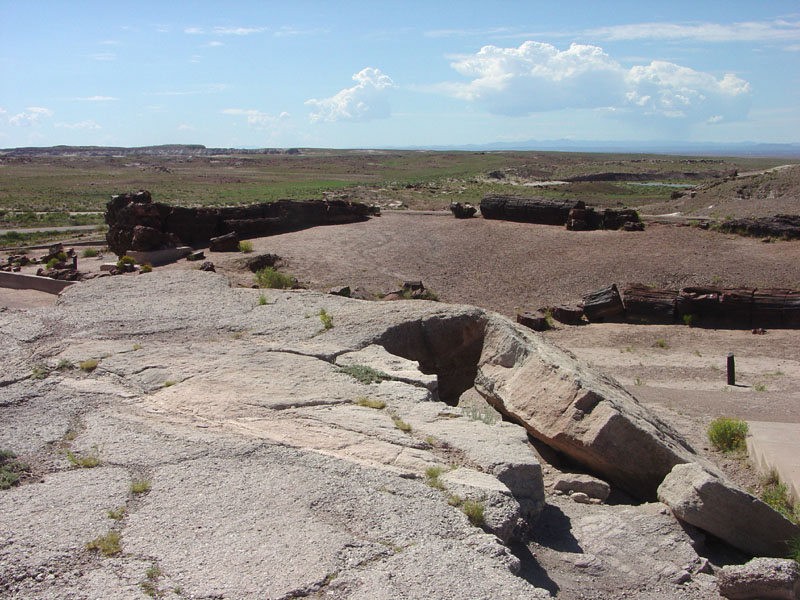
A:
262,300
108,544
89,365
728,435
89,253
140,486
117,514
270,278
661,344
401,425
365,374
432,477
776,494
85,461
474,511
245,247
370,403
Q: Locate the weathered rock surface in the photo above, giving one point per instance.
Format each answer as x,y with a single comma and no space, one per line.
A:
761,579
267,478
709,502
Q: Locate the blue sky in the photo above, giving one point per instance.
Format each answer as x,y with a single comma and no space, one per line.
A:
377,74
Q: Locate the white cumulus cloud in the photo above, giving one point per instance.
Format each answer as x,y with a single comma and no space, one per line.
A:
30,116
364,101
537,77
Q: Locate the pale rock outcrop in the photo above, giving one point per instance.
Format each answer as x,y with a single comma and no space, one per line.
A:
761,579
717,506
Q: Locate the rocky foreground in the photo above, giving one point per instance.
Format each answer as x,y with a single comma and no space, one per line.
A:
191,440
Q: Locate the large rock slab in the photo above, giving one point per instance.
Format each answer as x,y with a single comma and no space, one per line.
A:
576,410
761,579
710,503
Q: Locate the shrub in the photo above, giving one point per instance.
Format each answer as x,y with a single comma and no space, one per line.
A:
51,264
270,278
245,247
661,344
64,365
89,253
107,544
146,268
125,260
688,320
776,494
262,300
89,365
10,469
728,435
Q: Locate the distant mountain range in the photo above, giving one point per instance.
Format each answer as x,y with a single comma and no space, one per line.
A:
634,147
625,147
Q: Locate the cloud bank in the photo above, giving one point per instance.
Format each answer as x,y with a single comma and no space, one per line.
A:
364,101
537,77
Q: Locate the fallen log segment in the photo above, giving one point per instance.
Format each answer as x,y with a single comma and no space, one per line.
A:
137,223
603,303
650,304
544,211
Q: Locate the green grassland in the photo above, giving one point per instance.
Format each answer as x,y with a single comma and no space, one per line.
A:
417,179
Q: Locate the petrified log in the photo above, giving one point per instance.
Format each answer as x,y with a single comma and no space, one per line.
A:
650,304
462,211
603,303
616,219
569,315
779,226
534,320
528,210
224,243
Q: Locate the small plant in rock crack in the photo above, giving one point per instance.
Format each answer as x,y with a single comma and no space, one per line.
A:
40,371
364,374
64,365
117,514
776,494
432,477
108,544
661,344
140,486
84,461
474,511
327,319
400,424
760,387
638,381
728,435
10,469
370,403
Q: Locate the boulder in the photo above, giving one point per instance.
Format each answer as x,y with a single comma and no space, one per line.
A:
761,579
713,504
225,243
587,416
207,266
581,483
462,211
534,320
258,262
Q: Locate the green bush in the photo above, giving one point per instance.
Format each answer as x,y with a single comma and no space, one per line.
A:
776,494
146,268
365,374
10,469
245,247
270,278
327,319
89,253
125,260
51,264
728,435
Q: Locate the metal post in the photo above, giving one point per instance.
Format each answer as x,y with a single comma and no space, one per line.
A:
731,370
